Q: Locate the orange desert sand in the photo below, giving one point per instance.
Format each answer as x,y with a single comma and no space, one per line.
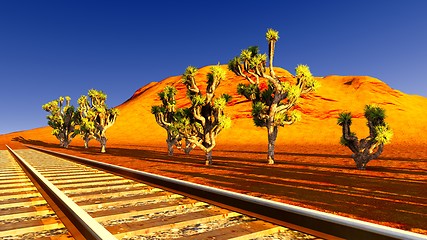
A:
312,170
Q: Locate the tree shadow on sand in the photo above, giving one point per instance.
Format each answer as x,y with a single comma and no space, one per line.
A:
290,153
34,142
196,158
284,153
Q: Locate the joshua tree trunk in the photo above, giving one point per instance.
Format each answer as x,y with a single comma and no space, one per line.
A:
363,157
103,141
361,160
208,158
272,135
271,46
61,142
86,139
170,142
61,139
188,147
66,143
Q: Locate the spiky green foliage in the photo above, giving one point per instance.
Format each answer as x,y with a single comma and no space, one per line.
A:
222,101
273,99
95,117
157,109
224,121
369,148
63,119
259,113
188,78
181,122
272,35
198,100
250,91
344,118
216,73
383,134
374,114
305,79
205,118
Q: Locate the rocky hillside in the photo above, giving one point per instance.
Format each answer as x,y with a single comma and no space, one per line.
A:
405,113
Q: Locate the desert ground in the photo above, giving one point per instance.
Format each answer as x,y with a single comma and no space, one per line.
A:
312,169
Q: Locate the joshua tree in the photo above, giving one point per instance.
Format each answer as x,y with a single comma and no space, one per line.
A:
86,120
273,98
204,119
165,115
96,117
366,149
62,119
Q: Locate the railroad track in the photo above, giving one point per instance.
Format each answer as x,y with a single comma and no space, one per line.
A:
134,210
24,213
114,202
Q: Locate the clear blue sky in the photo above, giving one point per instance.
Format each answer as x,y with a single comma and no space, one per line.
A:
53,48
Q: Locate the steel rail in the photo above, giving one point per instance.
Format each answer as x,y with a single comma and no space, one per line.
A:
313,222
76,220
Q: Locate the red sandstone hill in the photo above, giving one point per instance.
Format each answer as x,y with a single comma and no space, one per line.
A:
136,124
319,111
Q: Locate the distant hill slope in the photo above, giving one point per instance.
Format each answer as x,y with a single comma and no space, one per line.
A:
405,113
319,111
